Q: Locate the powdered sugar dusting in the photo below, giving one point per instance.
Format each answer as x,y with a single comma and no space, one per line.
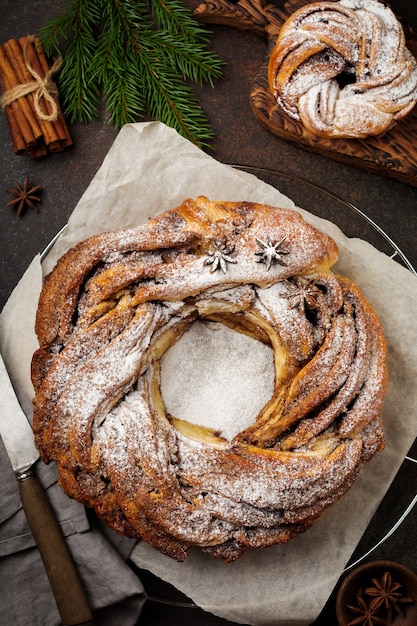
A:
350,74
216,377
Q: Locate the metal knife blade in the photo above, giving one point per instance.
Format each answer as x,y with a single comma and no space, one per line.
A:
17,435
15,429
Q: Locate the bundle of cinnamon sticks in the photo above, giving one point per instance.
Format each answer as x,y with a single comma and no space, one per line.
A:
30,99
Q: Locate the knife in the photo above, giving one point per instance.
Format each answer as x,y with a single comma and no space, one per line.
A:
17,436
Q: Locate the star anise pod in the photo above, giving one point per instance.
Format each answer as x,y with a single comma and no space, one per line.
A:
387,594
270,252
366,614
303,293
219,256
24,196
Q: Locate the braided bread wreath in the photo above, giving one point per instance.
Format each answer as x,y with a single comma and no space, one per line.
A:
342,69
114,304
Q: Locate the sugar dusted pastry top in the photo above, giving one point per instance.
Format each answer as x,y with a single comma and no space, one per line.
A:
343,69
116,302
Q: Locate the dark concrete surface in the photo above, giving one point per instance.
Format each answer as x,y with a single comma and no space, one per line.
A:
239,140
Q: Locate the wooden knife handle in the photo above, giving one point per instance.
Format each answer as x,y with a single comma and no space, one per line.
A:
65,582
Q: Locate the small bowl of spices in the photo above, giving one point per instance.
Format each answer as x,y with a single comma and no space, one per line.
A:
378,592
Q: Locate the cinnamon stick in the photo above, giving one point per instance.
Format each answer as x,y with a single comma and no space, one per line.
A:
19,144
24,75
60,124
50,134
39,151
20,109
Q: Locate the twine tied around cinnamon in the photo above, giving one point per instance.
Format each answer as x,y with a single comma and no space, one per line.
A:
41,87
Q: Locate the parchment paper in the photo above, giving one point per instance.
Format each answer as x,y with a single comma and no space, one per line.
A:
149,169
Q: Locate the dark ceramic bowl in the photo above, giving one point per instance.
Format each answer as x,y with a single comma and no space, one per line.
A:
404,613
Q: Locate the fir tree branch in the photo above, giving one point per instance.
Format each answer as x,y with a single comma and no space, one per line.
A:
139,56
173,17
79,91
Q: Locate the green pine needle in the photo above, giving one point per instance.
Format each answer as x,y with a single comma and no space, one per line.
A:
139,56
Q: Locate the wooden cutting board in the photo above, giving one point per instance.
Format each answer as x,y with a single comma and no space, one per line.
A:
393,154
